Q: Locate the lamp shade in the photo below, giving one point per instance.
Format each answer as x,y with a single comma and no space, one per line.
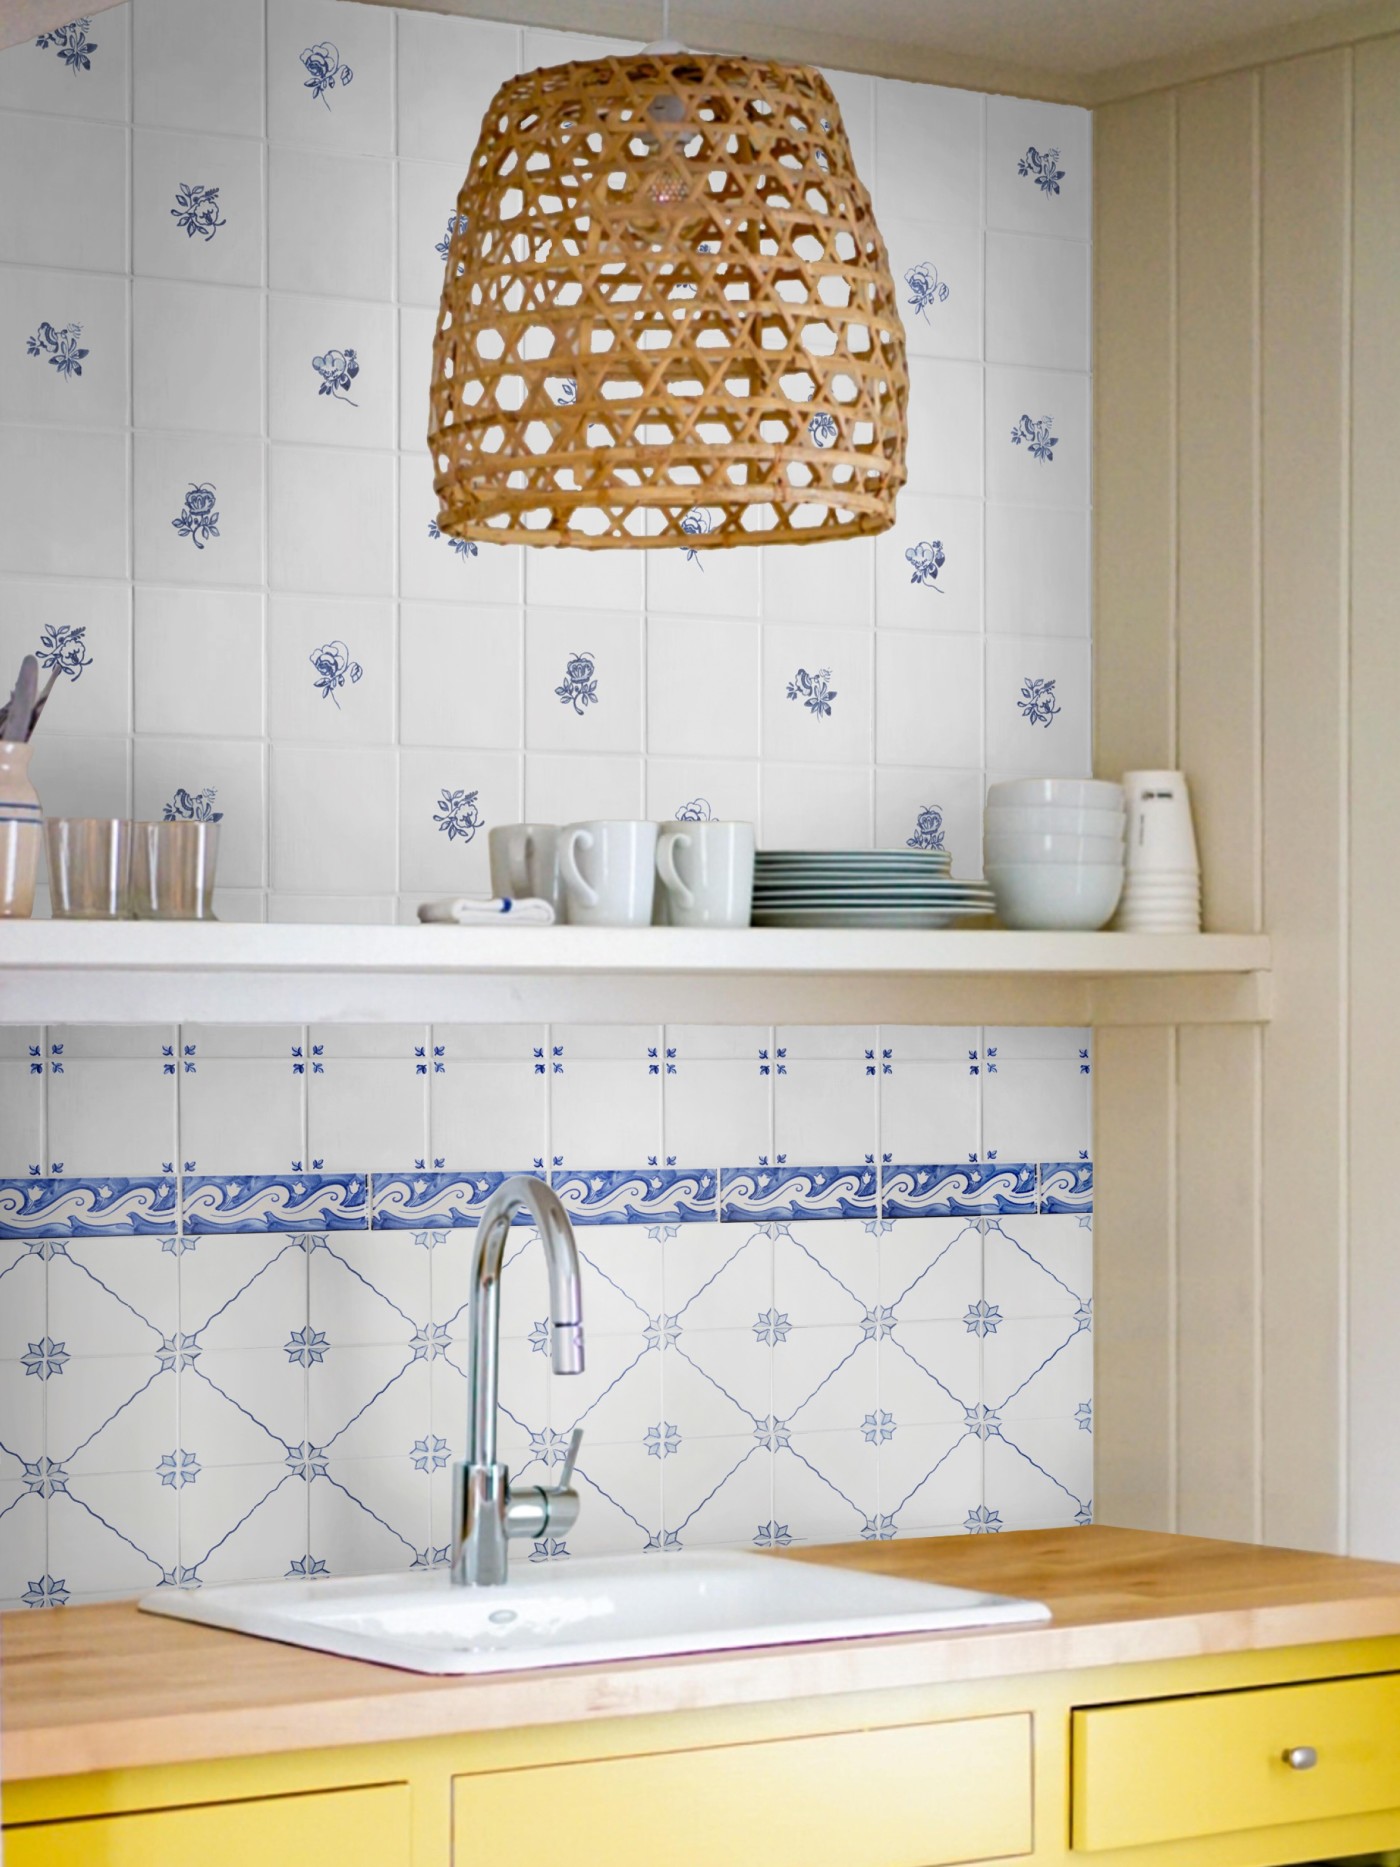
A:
668,316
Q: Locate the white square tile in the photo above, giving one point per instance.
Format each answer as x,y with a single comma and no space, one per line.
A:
331,521
331,372
1038,571
682,714
448,72
1041,1265
125,1538
111,1115
21,1114
929,1111
915,805
927,699
438,567
945,427
718,1109
938,279
72,331
332,910
1037,301
197,207
79,69
583,682
815,807
36,495
198,662
312,200
330,76
460,675
198,66
1038,437
448,799
566,578
78,217
563,787
825,1111
330,670
229,773
367,1115
333,816
817,694
115,1296
826,583
1036,1109
928,567
712,583
723,789
1039,176
198,509
928,159
241,1115
1038,706
931,1269
415,347
84,629
427,210
487,1112
82,775
605,1112
172,385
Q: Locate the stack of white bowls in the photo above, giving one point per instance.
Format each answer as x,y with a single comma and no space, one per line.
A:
1162,889
1053,851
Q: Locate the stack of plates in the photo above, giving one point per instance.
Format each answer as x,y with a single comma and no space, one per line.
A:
862,888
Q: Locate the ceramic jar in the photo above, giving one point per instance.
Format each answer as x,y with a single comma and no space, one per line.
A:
21,831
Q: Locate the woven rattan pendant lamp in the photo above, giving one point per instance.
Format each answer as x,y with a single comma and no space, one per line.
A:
668,316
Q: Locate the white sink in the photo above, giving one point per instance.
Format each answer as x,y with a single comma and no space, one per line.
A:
589,1611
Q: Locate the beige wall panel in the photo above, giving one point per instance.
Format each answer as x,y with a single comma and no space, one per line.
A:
1134,1279
1375,812
1306,252
1219,724
1134,652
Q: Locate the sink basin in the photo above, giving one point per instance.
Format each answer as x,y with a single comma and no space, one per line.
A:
589,1611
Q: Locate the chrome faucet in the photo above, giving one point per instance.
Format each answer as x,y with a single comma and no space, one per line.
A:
486,1510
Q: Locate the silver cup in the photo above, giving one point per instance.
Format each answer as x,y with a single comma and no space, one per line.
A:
172,870
89,868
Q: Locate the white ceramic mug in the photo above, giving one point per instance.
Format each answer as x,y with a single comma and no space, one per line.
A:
608,870
525,863
706,870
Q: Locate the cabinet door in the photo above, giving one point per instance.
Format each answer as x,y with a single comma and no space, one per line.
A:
337,1828
913,1796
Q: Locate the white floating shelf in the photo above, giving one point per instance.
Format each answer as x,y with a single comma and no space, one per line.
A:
234,972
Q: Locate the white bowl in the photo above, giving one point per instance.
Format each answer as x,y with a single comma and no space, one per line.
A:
1002,847
1059,793
1056,895
1054,820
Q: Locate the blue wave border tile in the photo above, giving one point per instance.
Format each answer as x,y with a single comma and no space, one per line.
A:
100,1206
1067,1186
756,1194
276,1202
413,1202
638,1195
970,1190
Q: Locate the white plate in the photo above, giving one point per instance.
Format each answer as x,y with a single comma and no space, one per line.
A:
867,897
866,917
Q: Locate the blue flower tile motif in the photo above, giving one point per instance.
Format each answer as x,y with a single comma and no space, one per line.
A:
566,395
1085,1513
456,223
772,1433
196,211
1036,438
925,288
324,69
59,347
306,1461
430,1453
457,815
405,1202
464,547
550,1549
178,1468
662,1332
70,44
63,645
45,1358
772,1327
637,1196
306,1347
982,1422
953,1192
696,811
877,1427
925,560
44,1477
192,807
982,1318
307,1566
765,1194
1084,1416
86,1208
814,691
1042,166
697,523
333,669
1037,701
982,1522
197,519
46,1592
337,370
822,428
772,1535
1067,1186
928,829
579,688
548,1446
276,1202
176,1352
662,1440
880,1528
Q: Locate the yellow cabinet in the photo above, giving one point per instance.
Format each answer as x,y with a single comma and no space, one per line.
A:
1180,1768
908,1796
342,1828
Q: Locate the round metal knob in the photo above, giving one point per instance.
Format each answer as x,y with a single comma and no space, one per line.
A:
1301,1757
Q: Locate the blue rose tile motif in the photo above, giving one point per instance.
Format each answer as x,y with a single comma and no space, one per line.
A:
324,70
766,1194
337,370
1036,438
822,428
1037,701
696,524
192,807
928,833
464,547
271,1202
696,811
70,44
79,1208
333,669
579,688
957,1192
58,345
1042,166
637,1196
63,646
456,223
459,816
814,691
196,211
925,560
925,288
197,520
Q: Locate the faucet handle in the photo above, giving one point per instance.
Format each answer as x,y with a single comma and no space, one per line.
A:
570,1460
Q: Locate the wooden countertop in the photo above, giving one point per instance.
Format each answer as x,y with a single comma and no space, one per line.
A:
105,1687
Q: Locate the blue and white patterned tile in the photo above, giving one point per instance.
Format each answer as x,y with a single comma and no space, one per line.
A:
242,1523
766,1194
1045,1482
1038,1266
717,1492
1066,1186
276,1202
423,1201
114,1207
977,1187
930,1476
113,1533
637,1196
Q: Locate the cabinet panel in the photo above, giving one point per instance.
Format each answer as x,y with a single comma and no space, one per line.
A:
342,1828
914,1796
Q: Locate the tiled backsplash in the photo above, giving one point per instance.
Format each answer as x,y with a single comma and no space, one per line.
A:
838,1279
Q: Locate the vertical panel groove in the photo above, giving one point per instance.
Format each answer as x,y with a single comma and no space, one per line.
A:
1344,818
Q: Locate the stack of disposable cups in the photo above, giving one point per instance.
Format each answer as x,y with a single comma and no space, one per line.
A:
1162,885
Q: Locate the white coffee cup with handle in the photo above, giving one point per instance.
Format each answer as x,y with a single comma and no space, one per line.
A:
608,869
525,863
706,870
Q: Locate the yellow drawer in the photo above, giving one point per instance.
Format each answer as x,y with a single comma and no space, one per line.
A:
912,1796
340,1828
1172,1769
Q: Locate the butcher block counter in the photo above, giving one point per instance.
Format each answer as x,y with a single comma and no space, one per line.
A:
1190,1702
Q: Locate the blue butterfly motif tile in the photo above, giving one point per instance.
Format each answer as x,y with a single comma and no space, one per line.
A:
637,1196
417,1201
1067,1186
784,1193
951,1192
276,1202
115,1207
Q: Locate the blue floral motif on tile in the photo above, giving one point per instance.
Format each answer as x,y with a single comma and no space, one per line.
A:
696,524
411,1202
1042,166
925,288
822,428
464,547
46,1591
337,370
1084,1415
177,1469
1037,701
192,807
44,1477
196,211
307,1566
696,811
814,691
457,816
306,1347
324,70
333,669
456,223
45,1358
86,1208
566,395
769,1193
63,645
772,1535
1067,1186
636,1196
276,1202
982,1522
579,688
982,1318
928,829
1036,438
70,44
951,1192
197,519
662,1440
925,560
59,347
